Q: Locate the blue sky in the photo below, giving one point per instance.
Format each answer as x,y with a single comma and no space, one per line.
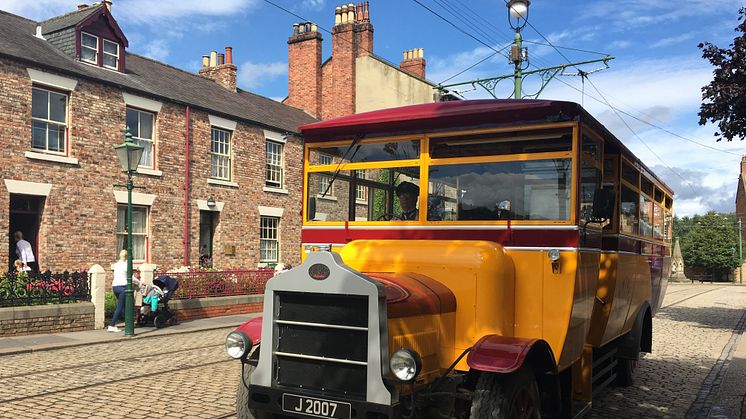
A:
656,76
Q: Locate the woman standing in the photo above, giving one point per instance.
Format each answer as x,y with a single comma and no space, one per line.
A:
118,285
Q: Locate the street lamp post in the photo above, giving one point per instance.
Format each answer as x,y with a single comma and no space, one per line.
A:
129,155
518,10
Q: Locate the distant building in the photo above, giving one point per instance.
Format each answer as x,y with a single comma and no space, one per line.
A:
221,175
741,207
354,79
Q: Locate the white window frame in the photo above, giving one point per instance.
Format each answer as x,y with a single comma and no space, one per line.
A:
324,181
269,234
361,191
116,56
220,157
123,233
83,46
139,140
274,164
48,121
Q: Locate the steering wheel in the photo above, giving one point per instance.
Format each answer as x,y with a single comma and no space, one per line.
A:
389,216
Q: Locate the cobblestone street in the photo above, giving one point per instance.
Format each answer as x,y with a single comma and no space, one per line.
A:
189,375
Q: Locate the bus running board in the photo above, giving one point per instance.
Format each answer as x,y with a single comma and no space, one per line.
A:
604,369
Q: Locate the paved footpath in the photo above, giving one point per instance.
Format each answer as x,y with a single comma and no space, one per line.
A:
697,368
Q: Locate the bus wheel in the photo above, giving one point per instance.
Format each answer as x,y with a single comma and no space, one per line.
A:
625,371
242,394
499,396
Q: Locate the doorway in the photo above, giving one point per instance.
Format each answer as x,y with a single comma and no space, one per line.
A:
25,216
207,222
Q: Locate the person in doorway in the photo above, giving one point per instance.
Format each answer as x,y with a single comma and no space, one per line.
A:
407,192
118,286
25,253
204,257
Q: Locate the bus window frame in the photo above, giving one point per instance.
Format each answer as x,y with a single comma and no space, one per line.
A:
586,131
424,162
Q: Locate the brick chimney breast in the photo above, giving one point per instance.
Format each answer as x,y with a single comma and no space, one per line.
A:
414,62
304,68
223,73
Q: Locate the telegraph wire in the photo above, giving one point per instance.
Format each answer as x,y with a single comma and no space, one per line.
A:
688,183
474,65
468,22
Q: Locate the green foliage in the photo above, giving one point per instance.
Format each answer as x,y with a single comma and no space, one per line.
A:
709,241
110,304
724,98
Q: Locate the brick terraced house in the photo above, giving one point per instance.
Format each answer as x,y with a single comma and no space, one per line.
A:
221,171
353,79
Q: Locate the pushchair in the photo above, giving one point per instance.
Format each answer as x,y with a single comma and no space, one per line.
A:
154,310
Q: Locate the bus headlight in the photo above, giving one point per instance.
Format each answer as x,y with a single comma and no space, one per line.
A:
237,344
405,364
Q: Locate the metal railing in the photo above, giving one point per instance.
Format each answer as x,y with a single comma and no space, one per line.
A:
198,284
26,289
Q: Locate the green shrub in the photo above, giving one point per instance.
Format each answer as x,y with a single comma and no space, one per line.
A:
110,304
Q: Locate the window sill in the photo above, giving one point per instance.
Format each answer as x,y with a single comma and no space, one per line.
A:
275,190
149,172
51,157
361,202
327,197
222,183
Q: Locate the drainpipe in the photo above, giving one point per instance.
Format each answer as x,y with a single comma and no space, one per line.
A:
186,189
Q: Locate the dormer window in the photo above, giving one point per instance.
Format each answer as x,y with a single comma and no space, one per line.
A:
111,54
89,48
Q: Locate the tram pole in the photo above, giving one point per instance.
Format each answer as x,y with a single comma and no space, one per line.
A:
517,56
740,252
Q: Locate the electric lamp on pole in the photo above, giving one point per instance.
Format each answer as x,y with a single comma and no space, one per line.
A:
129,155
518,17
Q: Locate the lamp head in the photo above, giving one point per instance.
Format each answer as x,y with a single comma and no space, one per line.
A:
129,153
518,8
211,202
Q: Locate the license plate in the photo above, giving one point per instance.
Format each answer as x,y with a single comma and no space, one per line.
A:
318,408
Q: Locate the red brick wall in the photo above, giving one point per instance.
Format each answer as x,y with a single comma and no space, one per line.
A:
415,66
206,312
78,225
340,99
224,74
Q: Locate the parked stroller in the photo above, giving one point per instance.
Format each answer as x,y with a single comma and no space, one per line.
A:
154,310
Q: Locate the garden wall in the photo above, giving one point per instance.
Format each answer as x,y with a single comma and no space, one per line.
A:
48,318
200,308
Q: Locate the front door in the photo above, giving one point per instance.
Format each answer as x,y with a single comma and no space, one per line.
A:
25,216
207,223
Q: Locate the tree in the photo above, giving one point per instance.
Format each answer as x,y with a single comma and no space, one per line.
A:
724,99
712,244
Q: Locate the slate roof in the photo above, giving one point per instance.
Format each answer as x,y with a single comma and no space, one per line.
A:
146,77
67,20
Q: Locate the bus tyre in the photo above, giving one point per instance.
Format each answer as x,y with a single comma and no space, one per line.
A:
625,371
242,396
499,396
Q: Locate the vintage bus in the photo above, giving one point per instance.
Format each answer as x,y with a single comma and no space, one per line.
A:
466,259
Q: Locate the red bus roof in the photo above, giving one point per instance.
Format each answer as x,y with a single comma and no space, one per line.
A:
439,115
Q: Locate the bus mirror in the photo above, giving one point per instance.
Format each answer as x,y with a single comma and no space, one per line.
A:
603,204
311,208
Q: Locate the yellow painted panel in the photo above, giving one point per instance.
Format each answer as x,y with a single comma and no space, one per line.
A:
431,336
558,294
529,298
582,309
480,274
605,299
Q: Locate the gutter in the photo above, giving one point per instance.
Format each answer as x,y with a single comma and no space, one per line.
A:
186,187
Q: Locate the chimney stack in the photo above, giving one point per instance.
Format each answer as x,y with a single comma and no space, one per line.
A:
414,62
304,66
219,68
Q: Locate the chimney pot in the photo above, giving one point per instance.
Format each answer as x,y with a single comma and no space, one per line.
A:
213,58
344,14
366,13
337,15
314,27
205,61
295,28
229,55
359,12
221,58
350,12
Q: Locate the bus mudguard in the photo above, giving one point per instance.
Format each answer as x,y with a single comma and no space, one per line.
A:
253,328
503,354
640,338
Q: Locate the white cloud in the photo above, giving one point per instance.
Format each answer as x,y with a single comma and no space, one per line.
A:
313,4
632,13
252,75
156,49
38,10
665,42
145,11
